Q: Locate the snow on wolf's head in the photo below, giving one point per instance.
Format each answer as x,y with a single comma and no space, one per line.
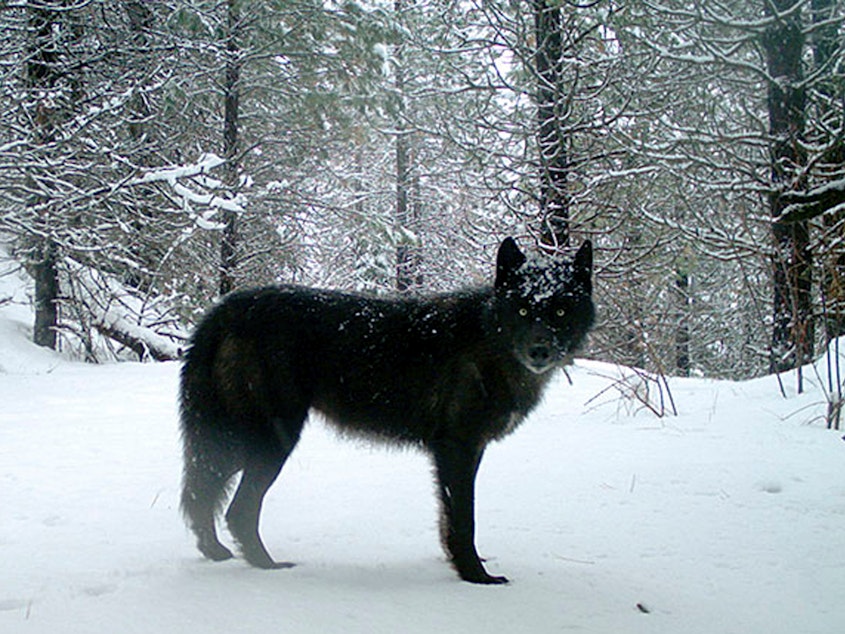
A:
543,304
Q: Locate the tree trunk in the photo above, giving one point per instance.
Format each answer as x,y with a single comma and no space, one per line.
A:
783,45
141,24
406,214
231,142
42,75
404,259
551,137
826,45
46,274
682,331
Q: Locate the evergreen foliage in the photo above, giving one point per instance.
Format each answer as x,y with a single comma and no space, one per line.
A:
164,151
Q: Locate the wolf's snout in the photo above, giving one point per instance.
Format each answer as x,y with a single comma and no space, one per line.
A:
540,354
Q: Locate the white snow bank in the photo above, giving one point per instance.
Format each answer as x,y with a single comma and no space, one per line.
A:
725,519
17,352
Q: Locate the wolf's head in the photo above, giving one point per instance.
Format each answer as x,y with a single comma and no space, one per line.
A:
543,305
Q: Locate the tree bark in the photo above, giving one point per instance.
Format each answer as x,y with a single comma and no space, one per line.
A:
406,219
551,138
682,329
827,46
792,332
231,142
42,76
46,274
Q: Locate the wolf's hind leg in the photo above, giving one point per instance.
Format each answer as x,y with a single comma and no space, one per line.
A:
203,490
264,461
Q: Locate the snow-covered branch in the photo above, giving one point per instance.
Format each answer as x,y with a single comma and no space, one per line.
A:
201,194
800,206
146,326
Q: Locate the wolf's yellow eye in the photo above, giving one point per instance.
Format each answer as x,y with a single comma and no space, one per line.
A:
523,312
560,312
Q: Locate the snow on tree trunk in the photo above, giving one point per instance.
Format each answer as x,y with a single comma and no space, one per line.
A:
783,43
551,138
43,73
406,220
46,274
231,106
827,46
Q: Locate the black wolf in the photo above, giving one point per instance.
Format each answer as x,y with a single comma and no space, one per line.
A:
448,374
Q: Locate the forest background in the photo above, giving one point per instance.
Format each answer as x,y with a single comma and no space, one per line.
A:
157,154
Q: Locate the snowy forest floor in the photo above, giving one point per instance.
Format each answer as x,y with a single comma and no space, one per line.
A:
728,518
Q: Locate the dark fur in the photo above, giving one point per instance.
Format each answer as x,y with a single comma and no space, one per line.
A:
448,373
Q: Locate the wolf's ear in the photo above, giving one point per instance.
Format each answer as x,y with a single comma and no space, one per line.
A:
583,264
510,258
584,258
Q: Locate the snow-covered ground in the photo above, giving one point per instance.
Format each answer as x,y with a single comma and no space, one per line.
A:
729,518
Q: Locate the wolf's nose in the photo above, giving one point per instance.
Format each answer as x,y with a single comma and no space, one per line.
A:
539,354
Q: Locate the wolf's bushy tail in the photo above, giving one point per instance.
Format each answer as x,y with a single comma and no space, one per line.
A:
212,453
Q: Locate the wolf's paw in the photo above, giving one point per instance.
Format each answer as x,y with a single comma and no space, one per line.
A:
214,550
281,565
477,574
269,564
485,579
259,558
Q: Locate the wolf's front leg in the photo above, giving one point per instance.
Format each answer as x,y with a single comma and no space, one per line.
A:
457,464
